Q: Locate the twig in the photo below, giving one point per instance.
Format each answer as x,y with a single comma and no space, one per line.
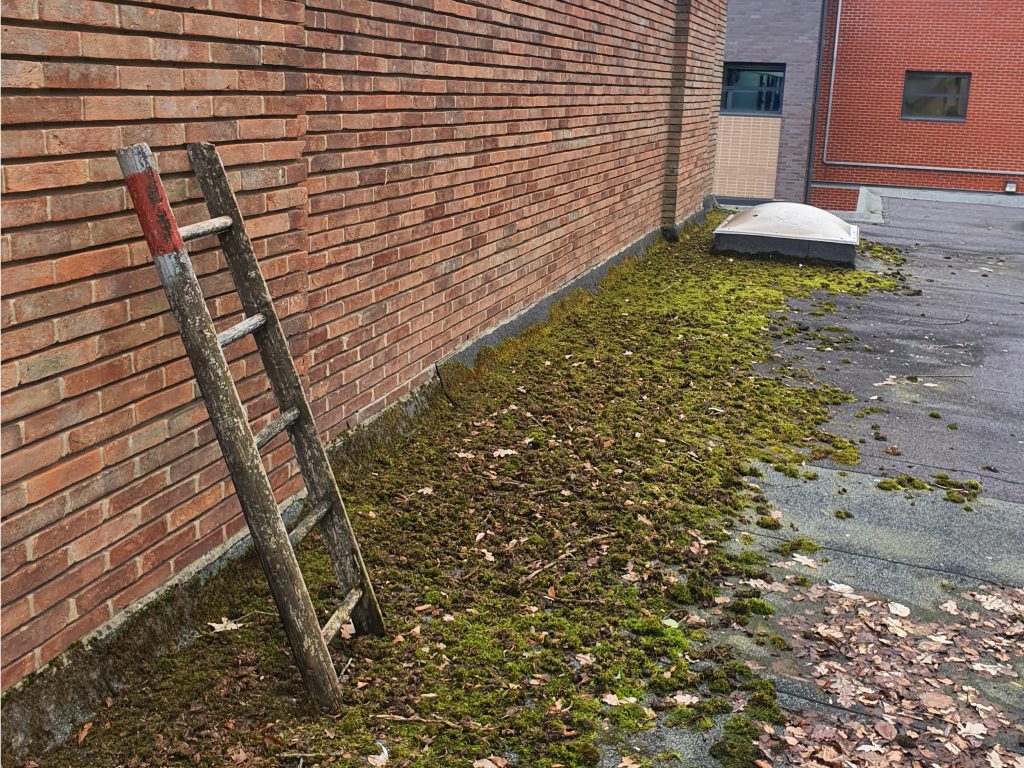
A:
304,755
553,563
345,668
579,600
569,551
436,721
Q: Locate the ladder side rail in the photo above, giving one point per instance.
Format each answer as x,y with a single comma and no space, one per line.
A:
339,538
231,424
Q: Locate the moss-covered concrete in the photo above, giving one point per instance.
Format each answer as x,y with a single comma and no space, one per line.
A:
540,535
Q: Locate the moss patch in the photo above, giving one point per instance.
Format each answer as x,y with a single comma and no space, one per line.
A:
530,537
958,491
903,482
890,254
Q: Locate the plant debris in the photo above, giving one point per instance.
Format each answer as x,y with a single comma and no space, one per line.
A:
907,684
525,587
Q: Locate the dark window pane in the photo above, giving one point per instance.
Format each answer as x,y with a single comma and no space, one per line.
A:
752,88
936,95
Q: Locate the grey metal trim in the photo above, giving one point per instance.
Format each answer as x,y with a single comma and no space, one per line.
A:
894,166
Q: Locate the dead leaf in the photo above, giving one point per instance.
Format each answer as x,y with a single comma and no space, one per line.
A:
898,609
681,699
381,759
84,732
225,625
491,762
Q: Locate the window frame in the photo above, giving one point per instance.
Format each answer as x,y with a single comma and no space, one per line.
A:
780,69
924,119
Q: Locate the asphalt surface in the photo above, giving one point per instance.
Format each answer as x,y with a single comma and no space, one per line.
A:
949,350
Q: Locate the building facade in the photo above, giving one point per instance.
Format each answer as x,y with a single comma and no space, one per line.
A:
771,58
913,94
413,173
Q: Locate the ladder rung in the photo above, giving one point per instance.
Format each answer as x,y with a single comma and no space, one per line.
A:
340,616
306,524
276,427
238,330
203,228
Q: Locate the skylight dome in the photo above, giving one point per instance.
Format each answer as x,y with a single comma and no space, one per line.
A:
789,229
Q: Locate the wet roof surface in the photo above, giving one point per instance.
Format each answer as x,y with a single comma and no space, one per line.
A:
962,339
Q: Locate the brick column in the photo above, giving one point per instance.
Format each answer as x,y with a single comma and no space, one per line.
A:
692,121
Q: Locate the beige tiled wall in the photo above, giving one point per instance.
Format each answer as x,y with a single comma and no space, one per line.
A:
748,156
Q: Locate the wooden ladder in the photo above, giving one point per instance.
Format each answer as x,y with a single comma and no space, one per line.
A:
240,447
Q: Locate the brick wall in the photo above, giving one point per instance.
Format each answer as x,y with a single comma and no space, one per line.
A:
703,29
878,42
413,173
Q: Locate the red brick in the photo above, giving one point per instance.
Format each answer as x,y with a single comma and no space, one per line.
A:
150,78
21,74
57,173
68,472
36,572
67,529
100,45
22,211
117,108
151,20
24,340
24,400
32,109
86,12
32,458
40,629
22,144
72,141
79,76
27,41
183,107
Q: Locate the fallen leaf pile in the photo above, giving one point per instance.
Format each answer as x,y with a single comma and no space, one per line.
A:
910,686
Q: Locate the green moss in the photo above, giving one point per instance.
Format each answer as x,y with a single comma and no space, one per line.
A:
844,452
934,415
890,254
903,482
870,410
514,569
843,514
768,522
958,491
738,746
799,545
744,607
698,589
773,639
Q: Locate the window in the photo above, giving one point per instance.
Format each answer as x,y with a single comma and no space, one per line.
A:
936,96
753,89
